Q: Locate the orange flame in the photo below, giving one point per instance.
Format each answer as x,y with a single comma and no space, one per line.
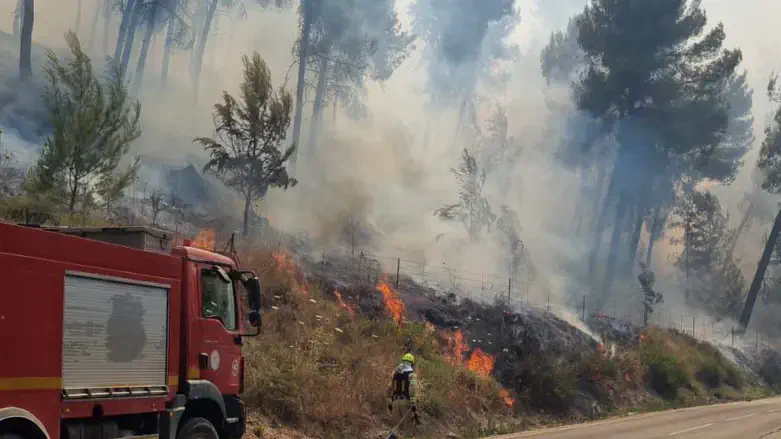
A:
350,309
481,363
455,347
393,303
206,239
509,401
286,264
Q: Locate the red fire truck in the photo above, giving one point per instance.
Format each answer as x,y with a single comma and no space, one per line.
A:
112,333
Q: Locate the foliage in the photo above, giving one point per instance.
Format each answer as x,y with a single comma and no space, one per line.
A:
562,59
769,161
711,281
472,209
354,39
464,42
651,298
659,80
157,202
94,124
111,187
509,228
8,173
246,154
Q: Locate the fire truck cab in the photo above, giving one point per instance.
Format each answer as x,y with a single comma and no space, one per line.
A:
111,333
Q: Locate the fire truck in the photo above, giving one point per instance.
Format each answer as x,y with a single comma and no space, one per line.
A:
116,333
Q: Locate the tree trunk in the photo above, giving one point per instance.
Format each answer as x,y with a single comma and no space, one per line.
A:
303,51
126,14
74,192
734,241
132,27
78,16
656,229
599,229
94,27
317,112
635,240
615,245
247,210
169,42
580,207
150,30
26,43
759,276
200,49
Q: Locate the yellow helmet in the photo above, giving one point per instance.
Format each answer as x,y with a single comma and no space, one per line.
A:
409,358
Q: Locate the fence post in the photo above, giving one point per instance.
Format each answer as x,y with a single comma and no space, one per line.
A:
398,271
509,289
584,307
693,333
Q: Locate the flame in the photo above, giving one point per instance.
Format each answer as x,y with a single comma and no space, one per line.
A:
455,347
286,265
509,401
393,303
481,363
350,309
206,239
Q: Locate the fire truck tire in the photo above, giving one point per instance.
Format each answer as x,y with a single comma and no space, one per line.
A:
196,428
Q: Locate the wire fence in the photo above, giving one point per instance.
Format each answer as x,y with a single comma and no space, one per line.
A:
357,267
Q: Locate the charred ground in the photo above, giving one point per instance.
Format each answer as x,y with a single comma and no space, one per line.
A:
330,343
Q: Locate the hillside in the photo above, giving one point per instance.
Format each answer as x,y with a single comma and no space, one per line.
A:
322,363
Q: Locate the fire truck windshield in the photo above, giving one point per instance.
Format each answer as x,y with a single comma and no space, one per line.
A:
218,298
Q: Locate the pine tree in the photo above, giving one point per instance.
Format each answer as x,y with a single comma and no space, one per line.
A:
94,124
246,153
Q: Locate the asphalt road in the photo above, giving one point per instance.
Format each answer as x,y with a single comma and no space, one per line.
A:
741,420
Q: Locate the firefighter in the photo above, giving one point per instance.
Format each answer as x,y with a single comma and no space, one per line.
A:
402,393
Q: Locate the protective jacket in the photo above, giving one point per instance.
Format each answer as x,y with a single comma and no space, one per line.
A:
404,383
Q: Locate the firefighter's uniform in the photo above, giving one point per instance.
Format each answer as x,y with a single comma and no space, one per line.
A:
403,396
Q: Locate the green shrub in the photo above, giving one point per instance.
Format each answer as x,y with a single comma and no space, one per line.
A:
666,375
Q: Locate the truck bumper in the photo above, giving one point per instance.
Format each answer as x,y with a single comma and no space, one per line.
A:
236,417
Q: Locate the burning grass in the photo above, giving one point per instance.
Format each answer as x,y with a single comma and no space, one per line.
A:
393,302
322,368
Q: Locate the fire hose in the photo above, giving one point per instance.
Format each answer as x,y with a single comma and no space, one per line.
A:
392,434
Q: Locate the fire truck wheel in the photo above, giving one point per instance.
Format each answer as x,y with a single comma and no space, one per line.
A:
196,428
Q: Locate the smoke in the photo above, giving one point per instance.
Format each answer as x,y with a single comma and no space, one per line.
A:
392,170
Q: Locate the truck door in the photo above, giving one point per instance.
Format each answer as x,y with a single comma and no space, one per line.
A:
220,352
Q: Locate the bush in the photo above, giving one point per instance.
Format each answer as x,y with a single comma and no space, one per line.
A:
666,375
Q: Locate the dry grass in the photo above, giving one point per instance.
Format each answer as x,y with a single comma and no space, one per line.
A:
321,370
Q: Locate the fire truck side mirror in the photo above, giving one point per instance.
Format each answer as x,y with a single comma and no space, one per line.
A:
253,294
254,319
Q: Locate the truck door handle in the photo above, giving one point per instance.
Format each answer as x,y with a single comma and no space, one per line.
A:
203,361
